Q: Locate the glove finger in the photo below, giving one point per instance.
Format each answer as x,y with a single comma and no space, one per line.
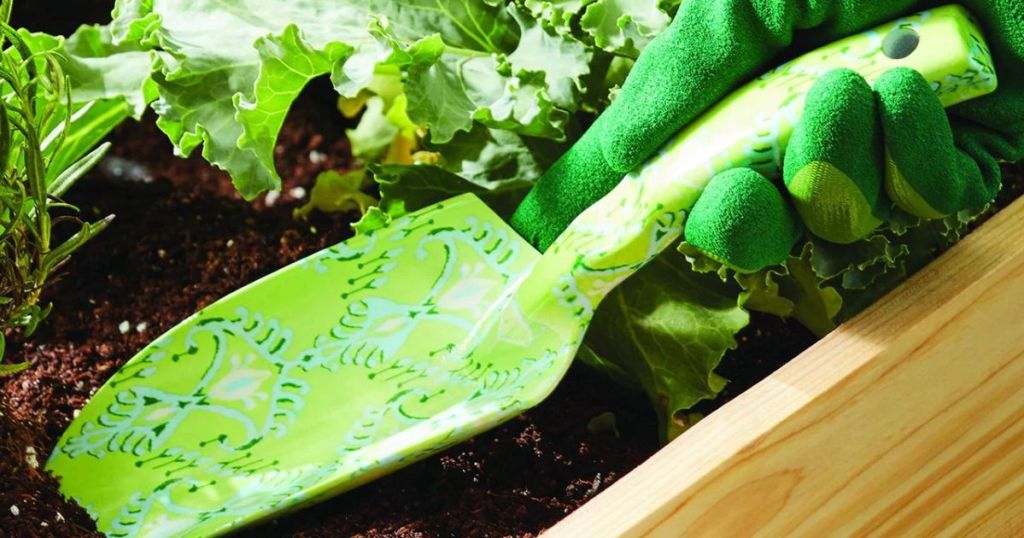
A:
925,173
982,145
833,163
742,220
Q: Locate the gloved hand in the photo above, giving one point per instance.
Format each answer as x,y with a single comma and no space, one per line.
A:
854,150
712,46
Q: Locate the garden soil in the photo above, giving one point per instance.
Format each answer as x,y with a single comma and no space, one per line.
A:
182,238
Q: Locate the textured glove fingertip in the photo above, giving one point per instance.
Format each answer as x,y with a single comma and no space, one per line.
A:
920,166
833,162
977,150
565,191
743,221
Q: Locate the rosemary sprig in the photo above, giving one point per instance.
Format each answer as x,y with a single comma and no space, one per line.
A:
35,103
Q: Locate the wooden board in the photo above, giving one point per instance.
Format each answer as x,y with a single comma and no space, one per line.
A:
906,421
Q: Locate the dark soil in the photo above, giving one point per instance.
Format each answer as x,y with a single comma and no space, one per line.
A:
183,238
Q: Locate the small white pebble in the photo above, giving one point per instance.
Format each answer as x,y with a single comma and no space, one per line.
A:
14,510
92,301
230,243
124,327
60,517
30,457
43,524
161,252
298,193
79,384
317,157
141,328
271,198
76,412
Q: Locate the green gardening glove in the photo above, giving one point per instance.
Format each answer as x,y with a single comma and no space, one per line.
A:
713,46
856,151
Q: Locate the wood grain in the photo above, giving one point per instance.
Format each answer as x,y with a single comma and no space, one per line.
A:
906,421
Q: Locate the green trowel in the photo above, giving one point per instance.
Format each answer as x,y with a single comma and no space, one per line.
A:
392,346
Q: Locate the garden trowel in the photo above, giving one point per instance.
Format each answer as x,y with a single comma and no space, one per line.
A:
396,344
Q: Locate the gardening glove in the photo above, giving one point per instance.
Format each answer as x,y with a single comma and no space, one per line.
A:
854,150
713,46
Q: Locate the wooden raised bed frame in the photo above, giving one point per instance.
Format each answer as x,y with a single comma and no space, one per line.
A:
906,421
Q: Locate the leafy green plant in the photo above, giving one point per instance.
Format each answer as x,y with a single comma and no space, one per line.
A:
40,158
